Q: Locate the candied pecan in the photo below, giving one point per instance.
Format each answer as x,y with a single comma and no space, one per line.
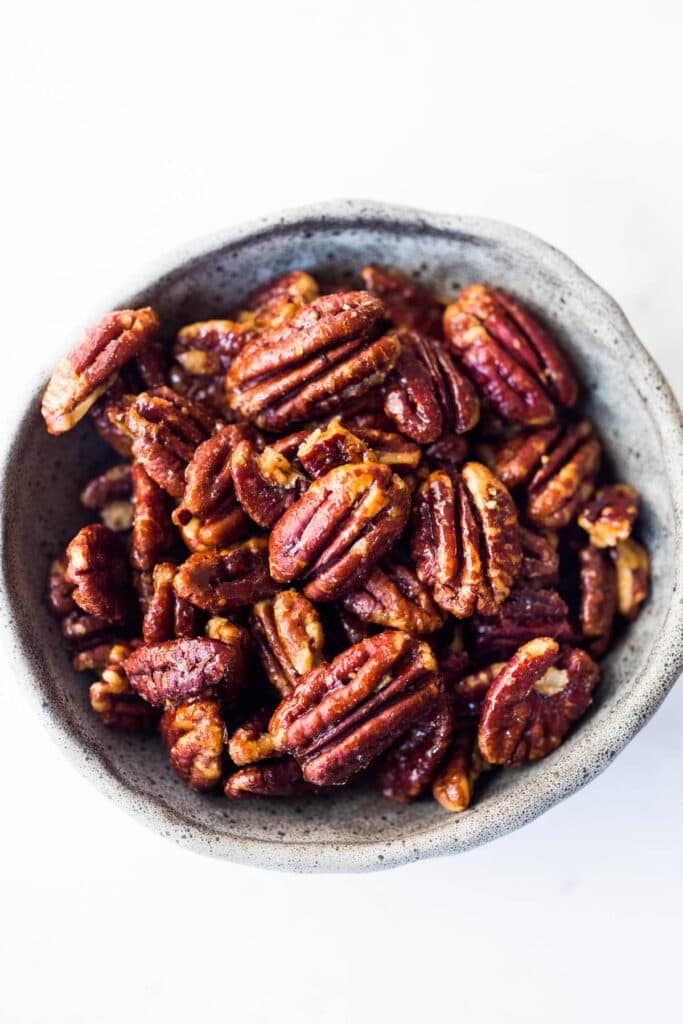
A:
609,516
278,299
534,702
274,778
598,580
465,540
220,580
407,768
407,304
84,631
633,569
97,658
207,390
166,429
325,355
453,785
152,530
90,368
168,616
59,590
174,670
289,638
150,365
389,448
108,425
251,741
540,559
525,614
344,714
454,659
353,629
339,529
392,596
448,453
327,447
115,703
208,347
99,572
468,692
193,733
115,484
266,484
426,394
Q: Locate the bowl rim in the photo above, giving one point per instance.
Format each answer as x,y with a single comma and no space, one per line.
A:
660,674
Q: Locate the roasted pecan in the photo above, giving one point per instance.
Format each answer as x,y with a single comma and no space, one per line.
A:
609,516
426,393
633,569
59,590
391,449
327,447
392,596
208,347
99,572
175,670
274,778
278,299
84,631
453,785
465,540
99,657
289,638
598,597
540,559
207,390
251,741
110,427
525,614
115,484
348,629
90,368
450,452
468,693
339,529
324,356
407,768
168,616
152,529
115,703
343,715
534,702
266,484
193,733
220,580
407,304
166,430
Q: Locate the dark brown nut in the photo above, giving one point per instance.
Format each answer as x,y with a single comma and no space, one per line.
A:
117,705
115,484
168,616
558,467
175,670
289,638
608,517
277,300
524,615
351,629
324,356
151,365
454,784
540,559
251,741
407,304
367,413
327,447
152,529
193,733
469,692
534,702
276,778
454,659
450,452
426,394
343,715
218,581
208,347
633,569
90,368
514,361
166,430
207,390
598,606
99,572
84,631
333,536
266,484
59,591
407,768
465,540
393,597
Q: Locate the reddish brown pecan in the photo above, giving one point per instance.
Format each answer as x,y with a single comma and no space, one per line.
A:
327,447
453,785
152,529
275,778
407,304
166,430
168,616
465,540
208,347
84,631
426,393
99,572
454,659
407,769
289,638
608,517
193,733
598,597
393,597
514,361
218,581
207,390
325,355
343,715
540,559
175,670
347,629
534,702
277,300
339,529
524,615
115,703
391,449
114,485
450,452
468,693
251,741
107,424
633,569
90,368
59,590
266,484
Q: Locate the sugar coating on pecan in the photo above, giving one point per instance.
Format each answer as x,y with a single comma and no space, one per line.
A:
524,615
99,572
92,365
393,597
281,778
534,702
289,638
407,304
175,670
193,733
632,563
168,616
609,516
231,577
208,347
407,768
266,484
454,784
251,741
339,529
598,583
152,529
277,300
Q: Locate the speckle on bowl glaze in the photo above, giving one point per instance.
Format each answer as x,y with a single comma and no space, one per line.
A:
355,829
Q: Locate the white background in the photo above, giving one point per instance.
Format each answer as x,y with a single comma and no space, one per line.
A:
130,128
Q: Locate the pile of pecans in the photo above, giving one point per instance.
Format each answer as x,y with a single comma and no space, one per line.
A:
353,528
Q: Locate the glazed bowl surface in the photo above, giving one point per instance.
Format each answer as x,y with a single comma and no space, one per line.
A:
355,829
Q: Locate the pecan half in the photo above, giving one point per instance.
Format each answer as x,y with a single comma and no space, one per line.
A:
251,741
339,529
193,733
277,300
266,484
343,715
393,597
407,304
325,355
114,701
407,769
168,616
609,516
525,614
633,569
534,702
220,580
276,778
465,540
208,347
60,591
328,447
454,784
152,529
92,365
289,638
175,670
598,607
99,572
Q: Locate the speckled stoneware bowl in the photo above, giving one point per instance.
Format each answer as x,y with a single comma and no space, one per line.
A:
355,829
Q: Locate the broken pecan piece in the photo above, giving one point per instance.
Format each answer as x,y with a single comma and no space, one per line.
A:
275,778
407,304
277,300
152,529
598,607
393,597
534,702
609,516
327,447
208,347
168,616
407,768
289,638
633,569
468,693
114,701
193,733
218,581
266,484
60,591
99,572
110,494
251,741
175,670
525,614
453,786
540,567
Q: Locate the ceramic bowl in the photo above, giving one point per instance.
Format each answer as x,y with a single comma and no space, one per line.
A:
355,829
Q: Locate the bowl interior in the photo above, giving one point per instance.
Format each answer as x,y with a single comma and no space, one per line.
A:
355,827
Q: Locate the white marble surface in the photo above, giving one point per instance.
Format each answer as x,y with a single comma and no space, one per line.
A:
133,127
